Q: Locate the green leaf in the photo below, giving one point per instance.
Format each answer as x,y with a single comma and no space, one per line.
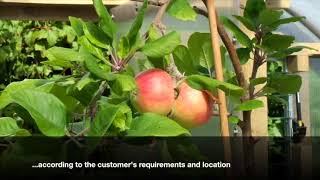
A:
285,53
250,105
52,39
5,98
104,119
36,35
150,124
122,84
284,83
184,61
247,23
77,26
136,25
100,70
195,45
205,83
162,46
237,32
206,58
161,62
123,47
9,127
106,22
153,33
257,81
64,54
72,104
85,80
84,95
182,10
200,50
96,35
276,24
267,90
90,47
277,42
269,16
71,34
253,9
234,119
244,55
58,63
47,110
123,119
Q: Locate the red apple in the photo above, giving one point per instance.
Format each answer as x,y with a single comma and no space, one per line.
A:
192,108
155,92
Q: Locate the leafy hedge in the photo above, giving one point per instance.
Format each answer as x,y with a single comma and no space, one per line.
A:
23,45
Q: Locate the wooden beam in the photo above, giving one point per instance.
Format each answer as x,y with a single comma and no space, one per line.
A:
61,9
61,2
298,63
52,12
58,10
279,4
308,52
275,4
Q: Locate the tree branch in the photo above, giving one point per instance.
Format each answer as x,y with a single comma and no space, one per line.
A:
200,11
172,68
93,103
154,3
158,19
230,48
233,56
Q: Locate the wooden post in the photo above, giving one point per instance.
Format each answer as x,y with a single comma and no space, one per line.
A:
218,67
224,126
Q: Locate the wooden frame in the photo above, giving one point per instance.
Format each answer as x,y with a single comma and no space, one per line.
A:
61,9
62,2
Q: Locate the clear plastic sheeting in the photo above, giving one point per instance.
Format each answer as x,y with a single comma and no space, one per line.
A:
301,32
314,94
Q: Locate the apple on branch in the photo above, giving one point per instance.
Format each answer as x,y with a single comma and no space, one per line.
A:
192,108
155,92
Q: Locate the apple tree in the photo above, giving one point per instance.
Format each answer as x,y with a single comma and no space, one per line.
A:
173,88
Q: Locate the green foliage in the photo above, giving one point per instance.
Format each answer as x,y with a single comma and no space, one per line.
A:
23,45
93,99
105,20
155,125
244,55
110,116
9,127
162,46
241,36
182,10
198,56
212,85
276,127
249,105
265,47
284,83
234,119
184,61
50,115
